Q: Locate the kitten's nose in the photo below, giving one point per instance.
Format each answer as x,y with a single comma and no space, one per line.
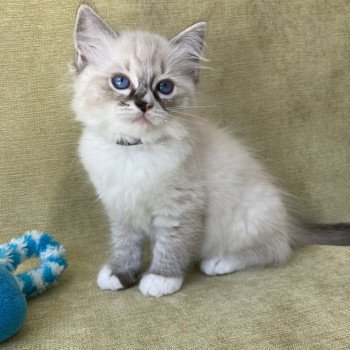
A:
144,106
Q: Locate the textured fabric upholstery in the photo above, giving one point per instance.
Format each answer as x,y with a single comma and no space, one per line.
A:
279,78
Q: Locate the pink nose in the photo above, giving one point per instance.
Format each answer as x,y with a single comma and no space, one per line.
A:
149,106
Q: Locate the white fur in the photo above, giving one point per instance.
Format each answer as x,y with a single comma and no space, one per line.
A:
157,286
132,185
107,281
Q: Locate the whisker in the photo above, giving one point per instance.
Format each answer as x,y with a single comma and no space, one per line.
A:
185,120
189,114
192,106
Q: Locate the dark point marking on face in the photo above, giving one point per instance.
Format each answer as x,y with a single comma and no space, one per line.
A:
137,95
166,103
132,93
113,94
142,89
159,100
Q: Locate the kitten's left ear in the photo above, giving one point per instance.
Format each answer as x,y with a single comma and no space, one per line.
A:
189,46
91,37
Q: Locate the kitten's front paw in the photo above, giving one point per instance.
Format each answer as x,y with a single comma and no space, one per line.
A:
156,286
107,281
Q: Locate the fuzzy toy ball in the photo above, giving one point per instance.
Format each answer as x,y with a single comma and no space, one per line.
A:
14,288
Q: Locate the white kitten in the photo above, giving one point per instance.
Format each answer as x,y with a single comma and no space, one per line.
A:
190,188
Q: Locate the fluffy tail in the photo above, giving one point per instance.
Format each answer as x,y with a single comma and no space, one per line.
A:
325,234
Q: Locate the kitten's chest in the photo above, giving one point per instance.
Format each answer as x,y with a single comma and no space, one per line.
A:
131,181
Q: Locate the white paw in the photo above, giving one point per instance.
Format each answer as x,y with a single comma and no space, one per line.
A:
107,281
156,286
217,266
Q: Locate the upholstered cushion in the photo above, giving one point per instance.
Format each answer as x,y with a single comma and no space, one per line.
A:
279,77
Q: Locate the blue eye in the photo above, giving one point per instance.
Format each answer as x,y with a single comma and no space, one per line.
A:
165,87
120,82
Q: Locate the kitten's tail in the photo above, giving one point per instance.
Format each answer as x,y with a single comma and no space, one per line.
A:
325,234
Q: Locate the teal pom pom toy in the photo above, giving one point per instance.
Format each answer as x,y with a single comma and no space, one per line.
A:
14,288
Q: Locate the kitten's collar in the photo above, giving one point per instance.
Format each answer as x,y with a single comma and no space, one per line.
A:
128,142
135,142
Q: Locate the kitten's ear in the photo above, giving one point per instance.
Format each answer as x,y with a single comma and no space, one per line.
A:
189,46
92,36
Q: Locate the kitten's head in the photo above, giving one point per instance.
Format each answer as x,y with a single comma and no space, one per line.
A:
131,84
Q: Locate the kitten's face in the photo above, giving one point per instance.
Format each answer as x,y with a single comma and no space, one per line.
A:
132,84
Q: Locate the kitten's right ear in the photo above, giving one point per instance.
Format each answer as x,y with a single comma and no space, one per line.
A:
92,38
188,47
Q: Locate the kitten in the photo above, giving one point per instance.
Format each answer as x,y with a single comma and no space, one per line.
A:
192,190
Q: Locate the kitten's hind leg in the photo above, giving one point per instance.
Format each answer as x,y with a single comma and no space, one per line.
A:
261,255
221,265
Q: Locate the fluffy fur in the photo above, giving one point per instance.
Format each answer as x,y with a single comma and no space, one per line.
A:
191,189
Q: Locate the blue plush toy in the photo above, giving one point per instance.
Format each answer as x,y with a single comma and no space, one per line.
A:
14,288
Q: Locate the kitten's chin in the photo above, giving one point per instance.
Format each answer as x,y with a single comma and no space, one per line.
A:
143,119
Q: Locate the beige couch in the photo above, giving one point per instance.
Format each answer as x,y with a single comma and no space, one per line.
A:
280,79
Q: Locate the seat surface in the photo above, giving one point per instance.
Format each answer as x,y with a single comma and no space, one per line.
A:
280,79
